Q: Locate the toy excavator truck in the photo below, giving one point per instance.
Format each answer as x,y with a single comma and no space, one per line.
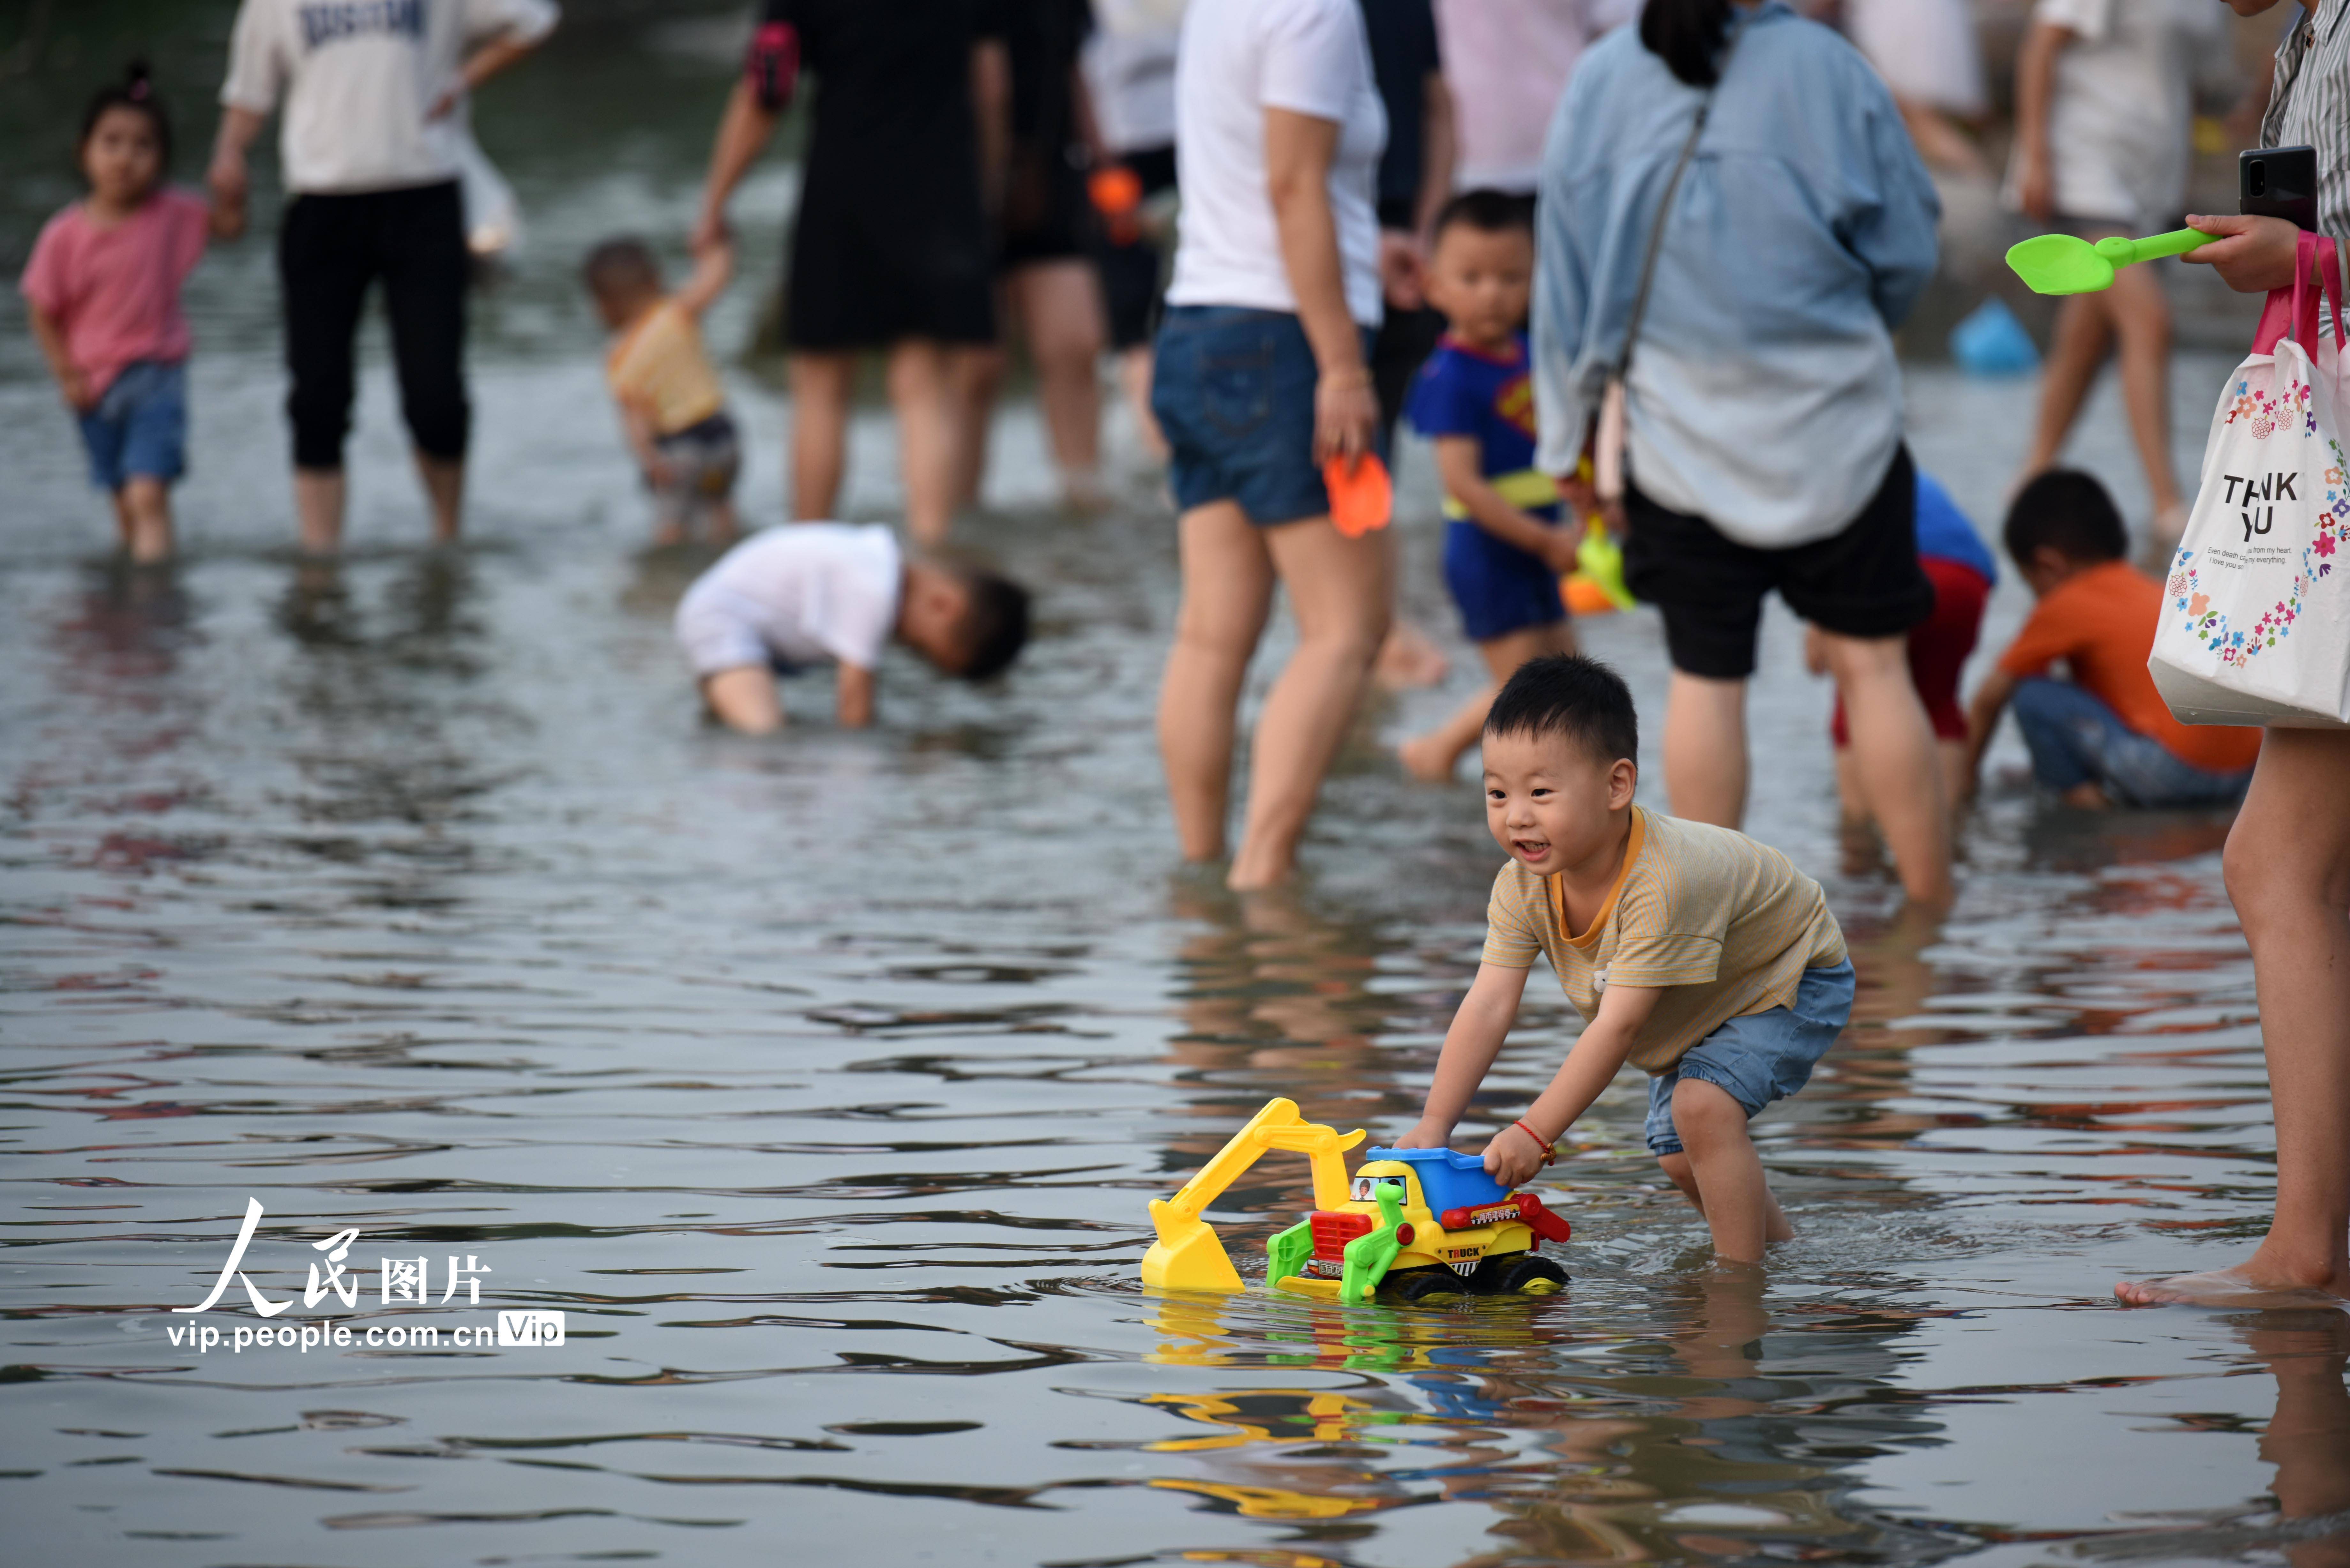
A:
1417,1222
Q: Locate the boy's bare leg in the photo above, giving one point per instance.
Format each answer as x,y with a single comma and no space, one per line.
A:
1433,757
744,699
1227,595
1060,308
1852,795
318,497
930,435
2288,871
1958,778
1893,747
1958,782
2140,312
1134,367
142,508
820,385
1342,592
1705,750
444,492
2076,351
975,374
1729,1187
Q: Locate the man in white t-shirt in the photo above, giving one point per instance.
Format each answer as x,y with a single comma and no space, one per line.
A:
835,593
369,144
2105,95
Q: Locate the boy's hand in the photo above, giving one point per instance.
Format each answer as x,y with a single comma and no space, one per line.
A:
1816,650
73,387
1558,551
1424,1134
1512,1157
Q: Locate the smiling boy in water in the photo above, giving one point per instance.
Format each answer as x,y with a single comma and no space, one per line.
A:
1696,954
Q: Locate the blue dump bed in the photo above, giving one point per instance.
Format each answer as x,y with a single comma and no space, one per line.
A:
1447,1179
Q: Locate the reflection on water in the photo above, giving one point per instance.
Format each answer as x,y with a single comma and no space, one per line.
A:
822,1083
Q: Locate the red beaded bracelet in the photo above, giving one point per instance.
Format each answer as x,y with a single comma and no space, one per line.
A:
1550,1149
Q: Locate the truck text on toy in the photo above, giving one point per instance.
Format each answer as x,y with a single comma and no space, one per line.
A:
1416,1221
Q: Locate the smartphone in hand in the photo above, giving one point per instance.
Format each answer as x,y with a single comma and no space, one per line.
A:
2277,182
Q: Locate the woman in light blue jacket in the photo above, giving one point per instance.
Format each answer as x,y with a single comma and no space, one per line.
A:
1793,227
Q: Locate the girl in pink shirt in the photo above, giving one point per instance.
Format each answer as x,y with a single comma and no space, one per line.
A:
103,291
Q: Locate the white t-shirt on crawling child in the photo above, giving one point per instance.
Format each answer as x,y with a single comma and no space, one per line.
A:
1236,59
802,593
359,77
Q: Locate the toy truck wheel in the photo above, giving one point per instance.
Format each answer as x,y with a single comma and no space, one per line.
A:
1425,1285
1526,1275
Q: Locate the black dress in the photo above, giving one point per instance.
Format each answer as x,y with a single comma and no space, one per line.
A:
1047,215
891,240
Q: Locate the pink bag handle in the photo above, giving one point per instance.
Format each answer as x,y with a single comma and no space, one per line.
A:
2293,311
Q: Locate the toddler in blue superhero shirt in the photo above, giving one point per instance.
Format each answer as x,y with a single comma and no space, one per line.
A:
1505,549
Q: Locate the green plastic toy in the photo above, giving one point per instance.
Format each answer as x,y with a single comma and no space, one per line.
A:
2061,263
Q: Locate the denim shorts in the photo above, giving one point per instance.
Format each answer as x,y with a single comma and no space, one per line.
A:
1762,1057
139,428
1499,588
1232,389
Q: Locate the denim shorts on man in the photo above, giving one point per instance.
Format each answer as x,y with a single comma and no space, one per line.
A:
1762,1057
1232,389
139,428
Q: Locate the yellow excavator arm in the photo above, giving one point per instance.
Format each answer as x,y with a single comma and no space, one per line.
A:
1188,1256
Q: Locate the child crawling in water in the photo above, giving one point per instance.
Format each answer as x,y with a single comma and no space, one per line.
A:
1698,955
805,593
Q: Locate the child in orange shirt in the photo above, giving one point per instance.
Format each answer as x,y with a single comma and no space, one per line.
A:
2105,736
672,405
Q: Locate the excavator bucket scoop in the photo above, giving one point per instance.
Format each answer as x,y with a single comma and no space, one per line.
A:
1188,1256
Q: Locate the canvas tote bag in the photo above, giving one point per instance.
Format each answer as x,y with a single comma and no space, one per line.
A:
2255,624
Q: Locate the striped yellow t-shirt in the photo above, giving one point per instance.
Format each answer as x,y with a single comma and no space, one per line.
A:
1723,925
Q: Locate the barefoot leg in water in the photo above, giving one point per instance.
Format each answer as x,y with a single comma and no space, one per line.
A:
2288,867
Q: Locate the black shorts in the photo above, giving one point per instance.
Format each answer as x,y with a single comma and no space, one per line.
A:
1131,269
1863,582
1048,216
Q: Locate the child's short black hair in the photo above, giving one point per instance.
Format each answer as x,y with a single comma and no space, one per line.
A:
995,627
136,92
1568,695
621,265
1488,212
2066,511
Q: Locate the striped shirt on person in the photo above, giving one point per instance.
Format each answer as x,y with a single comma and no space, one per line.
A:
1725,927
2310,105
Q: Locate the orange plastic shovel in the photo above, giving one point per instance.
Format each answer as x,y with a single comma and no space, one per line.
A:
1361,501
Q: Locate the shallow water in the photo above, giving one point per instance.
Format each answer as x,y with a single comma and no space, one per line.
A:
822,1083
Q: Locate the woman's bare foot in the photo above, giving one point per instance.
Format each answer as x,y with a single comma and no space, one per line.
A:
2241,1289
1429,759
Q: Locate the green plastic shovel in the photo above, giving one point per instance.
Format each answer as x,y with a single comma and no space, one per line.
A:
2059,264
